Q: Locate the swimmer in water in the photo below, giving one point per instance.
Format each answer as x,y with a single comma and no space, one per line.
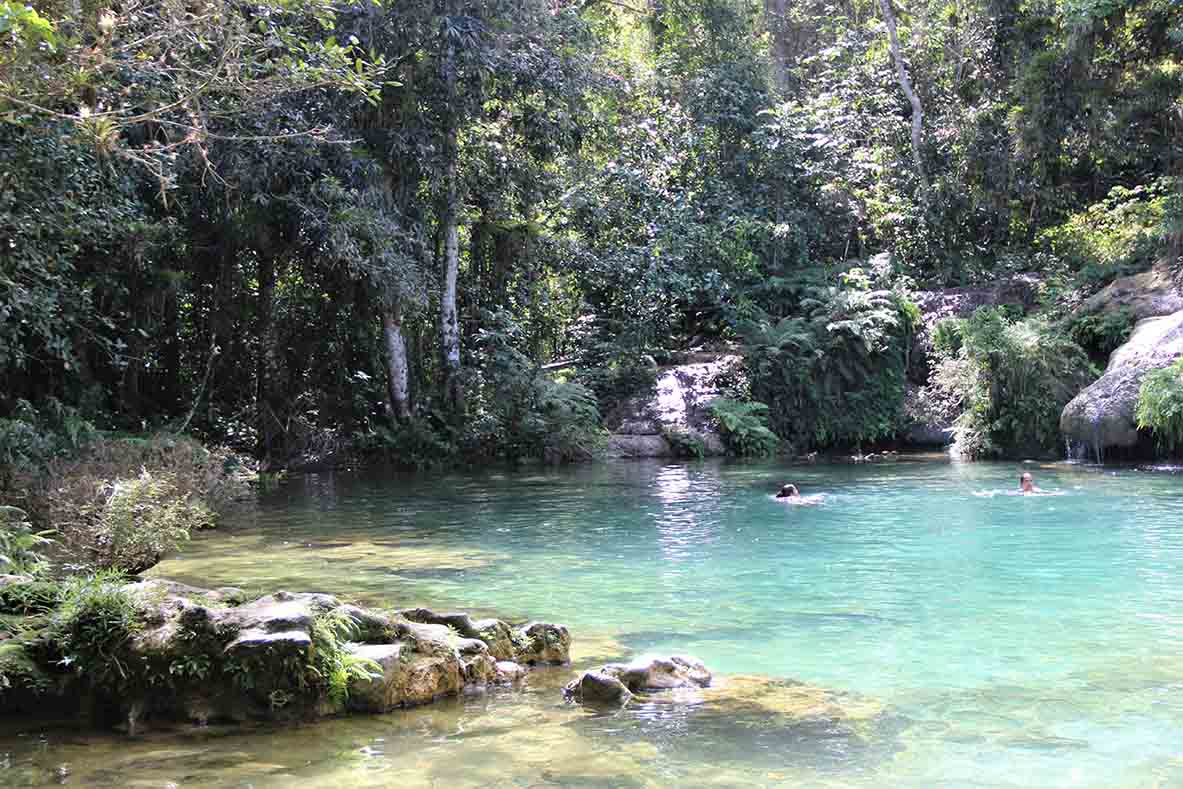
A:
1027,483
788,492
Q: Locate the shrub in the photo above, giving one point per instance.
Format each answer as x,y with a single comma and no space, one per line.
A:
1102,333
834,374
744,427
414,445
92,630
521,412
21,548
30,438
1160,406
333,667
1010,380
124,502
685,444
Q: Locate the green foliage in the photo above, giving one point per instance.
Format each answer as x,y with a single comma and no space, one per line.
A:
685,444
1102,333
834,376
93,628
1160,406
1122,234
522,412
333,667
415,444
1011,379
138,521
744,427
124,503
30,438
21,547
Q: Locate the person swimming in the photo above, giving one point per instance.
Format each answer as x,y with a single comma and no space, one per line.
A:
788,492
1027,483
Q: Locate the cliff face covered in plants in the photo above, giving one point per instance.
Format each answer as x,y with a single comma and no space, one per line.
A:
433,230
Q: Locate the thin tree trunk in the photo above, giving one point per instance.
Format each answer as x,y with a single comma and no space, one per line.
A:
450,270
775,22
266,366
906,87
397,369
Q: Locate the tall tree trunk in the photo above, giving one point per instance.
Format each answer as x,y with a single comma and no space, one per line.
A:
777,25
906,87
397,369
450,268
266,366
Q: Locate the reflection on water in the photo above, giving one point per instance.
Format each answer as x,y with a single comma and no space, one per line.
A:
959,639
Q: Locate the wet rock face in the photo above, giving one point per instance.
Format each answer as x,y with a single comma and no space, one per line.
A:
679,403
1102,415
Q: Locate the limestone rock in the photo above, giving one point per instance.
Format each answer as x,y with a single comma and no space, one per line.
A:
598,688
630,445
276,623
1151,294
540,642
372,627
509,672
498,636
1102,415
13,580
408,677
661,673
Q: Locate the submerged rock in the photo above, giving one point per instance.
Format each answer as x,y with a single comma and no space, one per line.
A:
661,673
1102,415
598,688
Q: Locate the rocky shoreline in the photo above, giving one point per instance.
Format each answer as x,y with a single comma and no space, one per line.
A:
206,655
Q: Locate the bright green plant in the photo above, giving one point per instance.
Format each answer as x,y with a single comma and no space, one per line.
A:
1011,379
685,444
139,521
744,427
21,547
93,628
1160,406
332,666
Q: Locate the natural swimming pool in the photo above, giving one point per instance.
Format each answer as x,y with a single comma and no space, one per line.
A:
998,640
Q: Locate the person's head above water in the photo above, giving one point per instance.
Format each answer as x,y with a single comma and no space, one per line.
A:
1026,482
788,492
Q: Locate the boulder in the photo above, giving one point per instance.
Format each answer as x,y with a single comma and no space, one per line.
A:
509,672
630,445
276,623
1151,294
542,643
1102,415
598,688
14,580
407,677
660,673
498,636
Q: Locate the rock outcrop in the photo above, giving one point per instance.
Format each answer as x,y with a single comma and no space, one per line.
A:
1151,294
198,656
1102,415
675,412
615,683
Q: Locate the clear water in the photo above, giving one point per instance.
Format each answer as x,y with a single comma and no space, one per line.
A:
965,639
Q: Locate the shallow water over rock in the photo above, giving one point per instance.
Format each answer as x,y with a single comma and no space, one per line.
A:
905,633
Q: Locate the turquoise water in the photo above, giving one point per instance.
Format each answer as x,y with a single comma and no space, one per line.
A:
996,640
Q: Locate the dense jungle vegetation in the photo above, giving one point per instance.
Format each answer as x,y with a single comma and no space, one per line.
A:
306,228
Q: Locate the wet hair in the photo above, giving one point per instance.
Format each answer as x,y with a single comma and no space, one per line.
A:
787,491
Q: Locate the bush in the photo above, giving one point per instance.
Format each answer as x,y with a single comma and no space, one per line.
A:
1010,380
521,412
1102,333
744,427
1160,406
834,375
92,630
123,503
414,445
29,439
21,548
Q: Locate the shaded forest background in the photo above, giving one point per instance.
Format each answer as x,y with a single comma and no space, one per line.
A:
302,228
